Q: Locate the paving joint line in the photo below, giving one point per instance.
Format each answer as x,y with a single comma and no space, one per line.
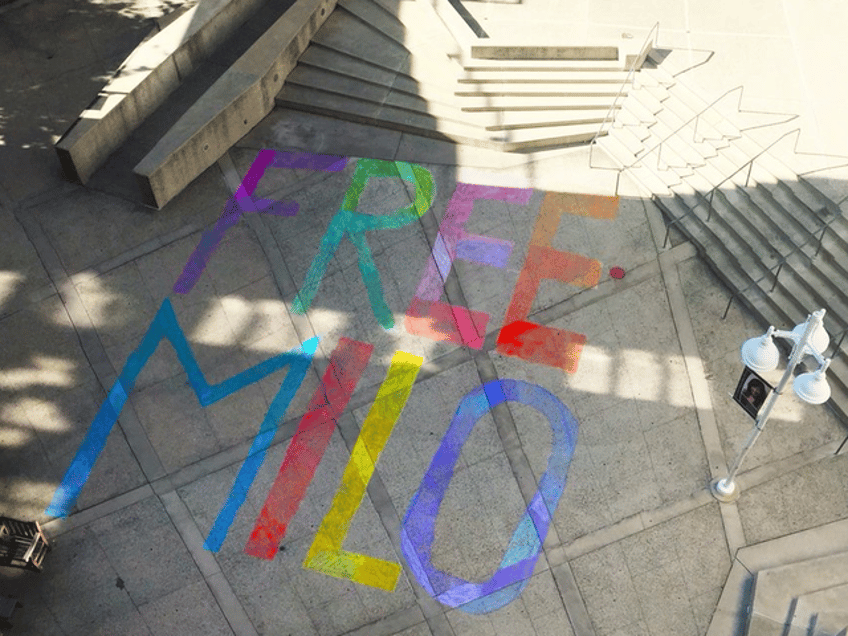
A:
92,347
698,384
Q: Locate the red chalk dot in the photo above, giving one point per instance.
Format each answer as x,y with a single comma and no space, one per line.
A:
617,272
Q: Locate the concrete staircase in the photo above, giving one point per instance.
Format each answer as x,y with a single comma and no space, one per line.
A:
725,179
796,585
397,66
801,599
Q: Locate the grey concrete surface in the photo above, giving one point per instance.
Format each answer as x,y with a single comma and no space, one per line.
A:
637,545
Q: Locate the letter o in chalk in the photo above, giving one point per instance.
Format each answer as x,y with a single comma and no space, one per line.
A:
418,527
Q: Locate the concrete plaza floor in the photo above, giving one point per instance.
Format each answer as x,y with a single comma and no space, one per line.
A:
637,545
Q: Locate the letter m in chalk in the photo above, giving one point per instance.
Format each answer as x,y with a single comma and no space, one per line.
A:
165,326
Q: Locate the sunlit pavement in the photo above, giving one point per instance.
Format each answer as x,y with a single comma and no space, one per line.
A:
635,544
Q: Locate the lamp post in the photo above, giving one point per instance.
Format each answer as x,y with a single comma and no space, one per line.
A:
761,355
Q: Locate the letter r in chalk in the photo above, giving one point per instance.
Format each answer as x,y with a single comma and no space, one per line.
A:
348,221
536,343
243,201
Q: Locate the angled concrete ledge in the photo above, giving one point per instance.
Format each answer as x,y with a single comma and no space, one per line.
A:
231,107
145,79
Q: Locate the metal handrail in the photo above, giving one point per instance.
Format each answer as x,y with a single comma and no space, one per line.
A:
836,347
636,61
750,165
779,265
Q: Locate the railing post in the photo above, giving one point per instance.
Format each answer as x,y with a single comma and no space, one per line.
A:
659,152
750,168
710,210
695,132
821,238
726,309
779,267
839,344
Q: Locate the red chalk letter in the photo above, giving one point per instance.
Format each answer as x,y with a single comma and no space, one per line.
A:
347,362
537,343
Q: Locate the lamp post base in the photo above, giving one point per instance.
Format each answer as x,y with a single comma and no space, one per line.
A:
724,492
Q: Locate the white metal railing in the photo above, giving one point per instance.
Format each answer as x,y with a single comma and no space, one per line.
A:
635,65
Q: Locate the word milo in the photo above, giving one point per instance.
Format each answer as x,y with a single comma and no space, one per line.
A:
426,316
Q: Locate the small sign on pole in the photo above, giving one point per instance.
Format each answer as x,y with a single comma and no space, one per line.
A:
751,392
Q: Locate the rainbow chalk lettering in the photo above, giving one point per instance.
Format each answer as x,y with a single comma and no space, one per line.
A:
243,201
516,567
325,554
427,315
165,326
307,447
538,343
348,221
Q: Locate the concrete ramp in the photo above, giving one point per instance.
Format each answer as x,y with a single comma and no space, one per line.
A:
186,95
144,81
233,105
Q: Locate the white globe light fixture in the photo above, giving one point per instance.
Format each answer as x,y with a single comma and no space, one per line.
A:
819,338
813,387
761,354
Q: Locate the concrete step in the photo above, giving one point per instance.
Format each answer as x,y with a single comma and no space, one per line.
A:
353,37
657,91
523,75
738,251
551,137
646,99
482,104
626,117
832,183
506,52
542,119
420,98
116,176
654,182
659,74
686,100
532,90
348,108
776,590
645,114
406,22
803,230
409,80
731,611
800,275
679,142
571,66
792,193
822,613
630,138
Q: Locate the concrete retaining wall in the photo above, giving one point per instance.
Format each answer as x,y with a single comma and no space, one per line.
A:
144,81
231,107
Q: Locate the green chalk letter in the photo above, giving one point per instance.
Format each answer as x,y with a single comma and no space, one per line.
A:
354,224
